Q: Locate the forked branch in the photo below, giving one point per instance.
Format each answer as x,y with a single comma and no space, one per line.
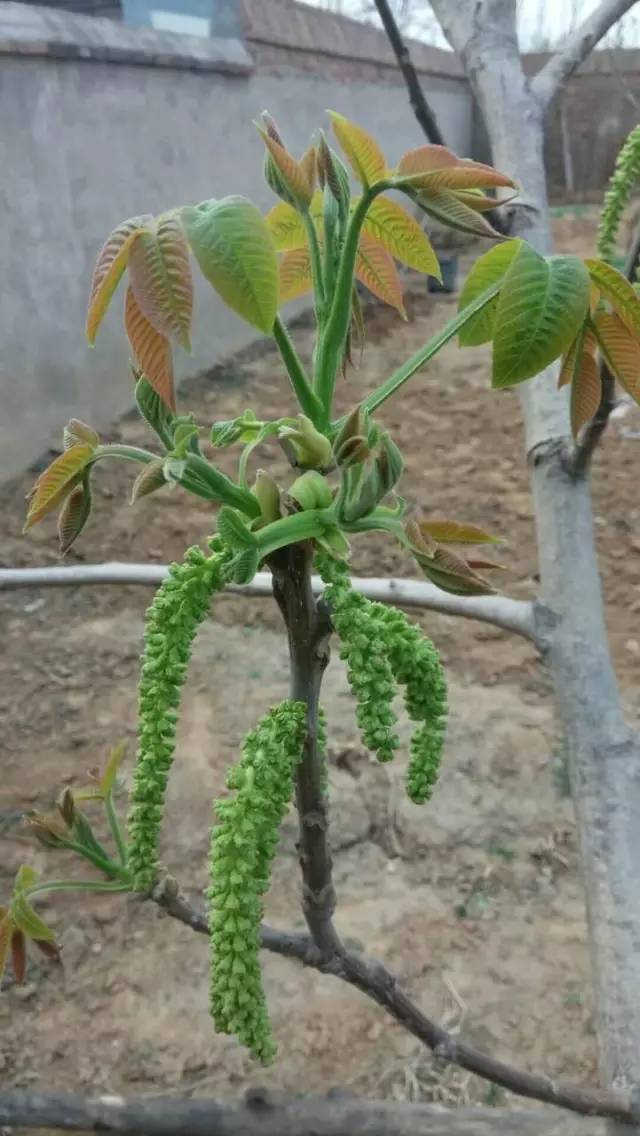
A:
577,47
380,984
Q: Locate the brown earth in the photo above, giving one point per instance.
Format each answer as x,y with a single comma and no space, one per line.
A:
475,900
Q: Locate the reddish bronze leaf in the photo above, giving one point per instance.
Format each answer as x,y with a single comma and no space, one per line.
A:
111,263
19,956
376,270
151,350
160,275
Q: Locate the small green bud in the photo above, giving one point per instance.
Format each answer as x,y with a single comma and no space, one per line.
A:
267,494
305,446
311,490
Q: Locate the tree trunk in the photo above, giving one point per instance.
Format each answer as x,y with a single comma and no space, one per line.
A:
604,754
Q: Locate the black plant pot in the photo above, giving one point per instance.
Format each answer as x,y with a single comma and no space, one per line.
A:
449,269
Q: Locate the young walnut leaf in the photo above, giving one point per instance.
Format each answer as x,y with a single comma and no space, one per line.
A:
586,392
453,532
468,175
150,478
74,515
76,431
234,248
151,350
618,291
160,276
295,275
286,227
541,306
621,351
585,341
294,175
361,150
401,234
424,159
447,207
376,270
111,263
57,481
491,267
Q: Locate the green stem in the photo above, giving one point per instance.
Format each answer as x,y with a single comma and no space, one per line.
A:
129,453
334,336
308,400
316,266
116,830
424,354
294,529
76,885
198,469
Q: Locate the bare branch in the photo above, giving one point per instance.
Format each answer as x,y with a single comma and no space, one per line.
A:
512,615
263,1115
583,451
423,112
579,44
380,984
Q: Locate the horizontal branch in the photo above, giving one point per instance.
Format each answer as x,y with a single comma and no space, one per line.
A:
577,47
263,1115
512,615
380,984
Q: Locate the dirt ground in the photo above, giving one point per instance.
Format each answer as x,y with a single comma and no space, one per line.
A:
475,900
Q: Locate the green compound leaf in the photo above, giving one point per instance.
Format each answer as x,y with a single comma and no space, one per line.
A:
491,267
234,248
541,306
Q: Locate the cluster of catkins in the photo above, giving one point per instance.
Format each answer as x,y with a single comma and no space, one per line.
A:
382,650
616,199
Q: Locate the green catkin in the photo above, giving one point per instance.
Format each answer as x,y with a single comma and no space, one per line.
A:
616,198
243,845
416,666
364,651
178,608
413,662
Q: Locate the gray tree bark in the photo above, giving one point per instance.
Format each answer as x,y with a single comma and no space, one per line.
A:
604,753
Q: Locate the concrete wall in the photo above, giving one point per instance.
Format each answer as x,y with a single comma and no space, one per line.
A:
100,122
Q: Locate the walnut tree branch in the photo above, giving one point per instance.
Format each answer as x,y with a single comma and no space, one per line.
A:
380,984
419,104
309,630
577,47
262,1114
516,616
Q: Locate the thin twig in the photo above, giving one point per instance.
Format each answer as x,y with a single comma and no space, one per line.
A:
512,615
380,984
576,48
423,112
263,1115
584,449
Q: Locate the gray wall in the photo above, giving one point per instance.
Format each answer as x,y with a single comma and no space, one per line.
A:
86,141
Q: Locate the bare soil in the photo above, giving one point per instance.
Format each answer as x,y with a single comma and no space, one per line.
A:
475,900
